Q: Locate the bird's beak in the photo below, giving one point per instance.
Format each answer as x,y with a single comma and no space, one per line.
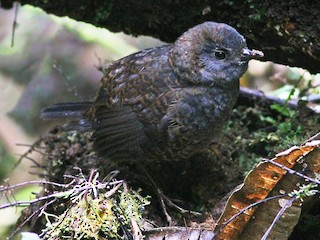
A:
248,54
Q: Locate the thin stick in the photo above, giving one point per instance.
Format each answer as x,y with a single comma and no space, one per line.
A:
2,188
289,170
276,219
30,217
245,209
14,24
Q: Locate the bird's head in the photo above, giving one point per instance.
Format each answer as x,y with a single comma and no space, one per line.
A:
211,54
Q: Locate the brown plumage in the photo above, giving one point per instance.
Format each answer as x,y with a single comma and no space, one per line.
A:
168,102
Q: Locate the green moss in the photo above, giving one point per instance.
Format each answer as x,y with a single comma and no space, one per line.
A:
108,215
103,11
260,132
257,10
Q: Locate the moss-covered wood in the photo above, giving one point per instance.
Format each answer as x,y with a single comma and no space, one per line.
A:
288,32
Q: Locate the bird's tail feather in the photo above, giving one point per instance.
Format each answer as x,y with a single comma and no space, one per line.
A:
66,110
75,113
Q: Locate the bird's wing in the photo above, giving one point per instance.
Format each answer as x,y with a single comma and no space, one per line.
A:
117,131
123,108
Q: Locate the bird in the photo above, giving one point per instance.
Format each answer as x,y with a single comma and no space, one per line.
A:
165,103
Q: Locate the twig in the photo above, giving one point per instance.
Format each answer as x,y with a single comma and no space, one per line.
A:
164,199
80,187
30,150
245,209
291,171
30,217
33,182
60,221
251,95
39,199
30,145
127,234
14,24
33,161
276,219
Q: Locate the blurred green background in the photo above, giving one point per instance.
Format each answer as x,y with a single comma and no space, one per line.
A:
52,60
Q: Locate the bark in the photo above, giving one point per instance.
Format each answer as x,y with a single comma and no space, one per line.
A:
288,32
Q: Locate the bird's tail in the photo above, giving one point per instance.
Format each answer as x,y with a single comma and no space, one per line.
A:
74,113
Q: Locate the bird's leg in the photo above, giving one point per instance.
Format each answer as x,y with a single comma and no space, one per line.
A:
166,201
162,198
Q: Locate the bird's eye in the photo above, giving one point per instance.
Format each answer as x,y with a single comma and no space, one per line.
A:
220,55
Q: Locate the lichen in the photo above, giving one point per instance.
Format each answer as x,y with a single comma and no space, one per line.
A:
96,212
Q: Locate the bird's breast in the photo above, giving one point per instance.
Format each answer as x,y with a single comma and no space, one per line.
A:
210,107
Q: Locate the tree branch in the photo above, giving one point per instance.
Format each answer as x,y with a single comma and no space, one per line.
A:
286,32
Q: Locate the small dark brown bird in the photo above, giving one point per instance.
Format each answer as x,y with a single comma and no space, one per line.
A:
168,102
